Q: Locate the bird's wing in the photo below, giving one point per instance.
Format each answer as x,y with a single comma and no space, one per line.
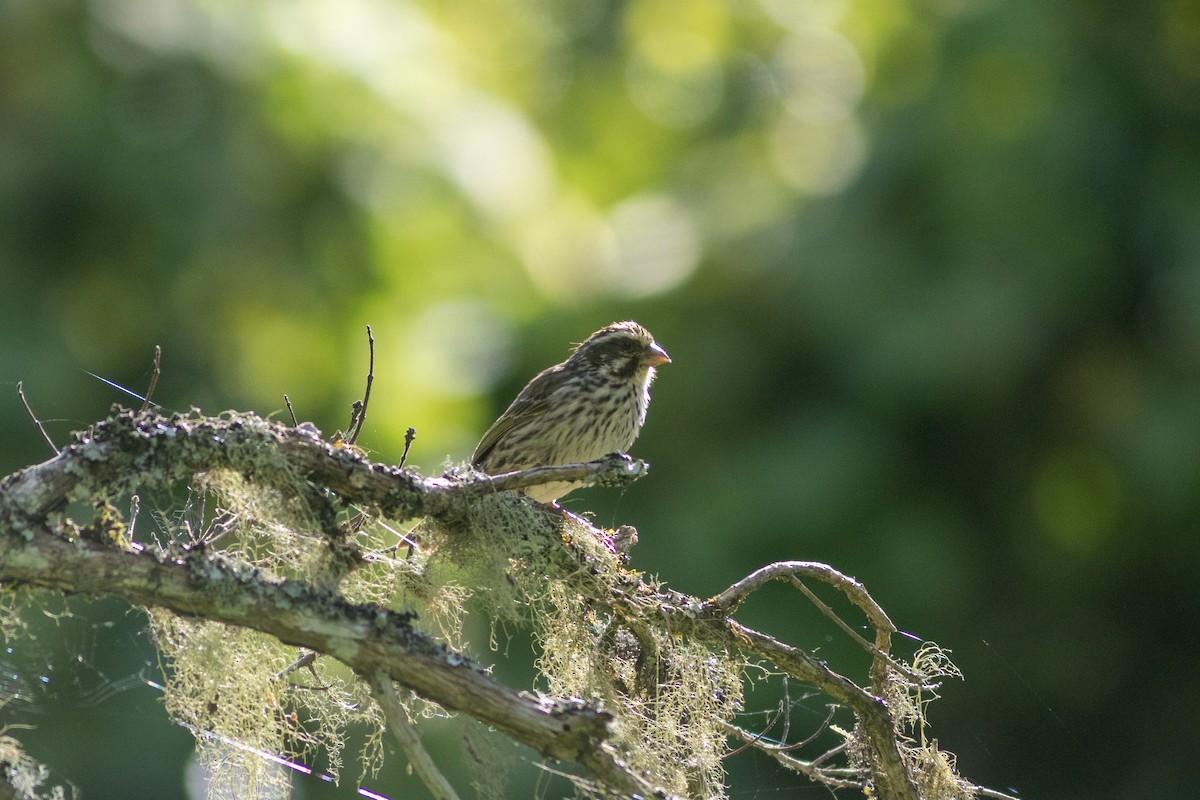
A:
533,401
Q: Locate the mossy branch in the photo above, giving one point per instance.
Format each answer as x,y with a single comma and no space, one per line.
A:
40,546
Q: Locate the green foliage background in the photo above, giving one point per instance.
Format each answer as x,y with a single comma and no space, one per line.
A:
929,271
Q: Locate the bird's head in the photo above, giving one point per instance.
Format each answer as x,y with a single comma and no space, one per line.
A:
623,350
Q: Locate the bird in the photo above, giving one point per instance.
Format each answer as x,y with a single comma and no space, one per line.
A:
589,406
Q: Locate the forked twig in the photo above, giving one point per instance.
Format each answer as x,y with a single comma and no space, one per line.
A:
34,417
761,734
729,600
835,777
306,658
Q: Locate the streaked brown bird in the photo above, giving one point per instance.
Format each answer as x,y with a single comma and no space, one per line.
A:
590,405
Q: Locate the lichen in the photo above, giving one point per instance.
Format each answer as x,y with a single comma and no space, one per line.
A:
27,777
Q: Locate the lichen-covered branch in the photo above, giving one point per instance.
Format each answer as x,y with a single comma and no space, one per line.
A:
577,569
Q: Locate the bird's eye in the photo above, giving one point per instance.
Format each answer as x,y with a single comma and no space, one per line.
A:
628,345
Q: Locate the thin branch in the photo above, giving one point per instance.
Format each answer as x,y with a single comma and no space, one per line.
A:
307,657
409,436
616,469
406,734
834,777
34,417
784,748
359,413
828,754
291,411
729,600
153,378
761,734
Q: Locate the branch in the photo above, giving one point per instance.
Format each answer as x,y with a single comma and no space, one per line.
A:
365,637
836,777
34,417
615,470
128,450
406,734
131,451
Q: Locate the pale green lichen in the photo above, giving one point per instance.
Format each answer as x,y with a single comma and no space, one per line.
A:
27,777
933,770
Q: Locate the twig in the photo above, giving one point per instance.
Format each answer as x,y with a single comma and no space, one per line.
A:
761,734
307,657
729,600
828,754
153,378
762,743
784,748
358,413
291,412
33,416
830,776
409,436
219,527
135,506
406,734
616,469
874,650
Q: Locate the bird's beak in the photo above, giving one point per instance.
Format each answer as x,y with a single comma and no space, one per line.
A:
655,355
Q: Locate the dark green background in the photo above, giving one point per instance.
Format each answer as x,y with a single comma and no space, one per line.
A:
929,271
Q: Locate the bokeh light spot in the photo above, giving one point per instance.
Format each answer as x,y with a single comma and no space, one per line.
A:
658,245
1077,499
675,79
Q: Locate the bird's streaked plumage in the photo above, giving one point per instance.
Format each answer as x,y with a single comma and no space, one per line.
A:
590,405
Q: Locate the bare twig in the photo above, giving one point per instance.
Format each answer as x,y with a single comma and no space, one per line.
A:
409,436
153,378
406,734
358,413
732,597
834,777
34,417
782,747
828,754
307,657
729,600
219,527
779,712
291,411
